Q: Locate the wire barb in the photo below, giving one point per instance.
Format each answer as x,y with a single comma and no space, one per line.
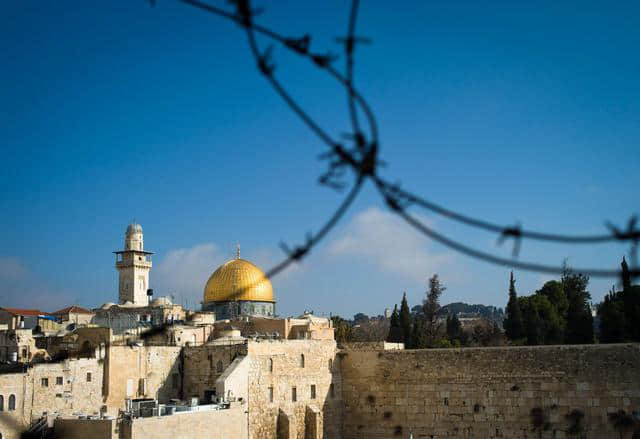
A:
514,232
363,161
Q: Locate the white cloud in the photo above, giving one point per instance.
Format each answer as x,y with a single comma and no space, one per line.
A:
387,241
185,271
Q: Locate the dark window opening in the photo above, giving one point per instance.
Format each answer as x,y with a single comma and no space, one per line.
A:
175,380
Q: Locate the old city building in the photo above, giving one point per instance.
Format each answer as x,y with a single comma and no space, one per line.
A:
143,369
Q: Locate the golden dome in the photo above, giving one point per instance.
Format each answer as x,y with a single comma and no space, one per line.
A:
238,279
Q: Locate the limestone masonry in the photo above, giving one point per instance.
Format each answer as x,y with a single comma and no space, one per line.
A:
147,368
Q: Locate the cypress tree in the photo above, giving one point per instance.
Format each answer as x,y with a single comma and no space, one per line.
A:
513,324
532,321
612,318
579,318
625,274
405,320
631,301
395,332
418,340
454,328
431,306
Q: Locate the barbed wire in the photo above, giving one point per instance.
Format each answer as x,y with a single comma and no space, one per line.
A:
362,159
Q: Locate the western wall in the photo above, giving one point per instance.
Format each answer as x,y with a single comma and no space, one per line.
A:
515,392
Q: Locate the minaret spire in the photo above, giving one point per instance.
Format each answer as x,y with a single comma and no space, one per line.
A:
238,251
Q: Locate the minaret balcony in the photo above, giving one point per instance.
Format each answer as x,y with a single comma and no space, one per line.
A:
129,258
134,262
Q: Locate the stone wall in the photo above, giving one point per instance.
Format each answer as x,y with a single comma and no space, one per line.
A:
548,392
203,365
80,391
234,382
12,422
70,386
276,366
142,371
214,424
371,346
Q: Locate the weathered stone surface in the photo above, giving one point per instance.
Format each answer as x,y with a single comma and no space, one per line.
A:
70,386
142,371
488,392
288,373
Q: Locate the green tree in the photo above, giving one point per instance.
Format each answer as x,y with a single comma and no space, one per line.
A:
342,329
631,301
619,312
405,320
543,324
418,339
513,322
454,330
486,333
532,321
553,291
431,306
553,323
579,318
395,331
453,326
612,318
625,275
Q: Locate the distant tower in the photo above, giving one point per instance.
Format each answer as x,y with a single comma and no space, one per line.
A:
133,264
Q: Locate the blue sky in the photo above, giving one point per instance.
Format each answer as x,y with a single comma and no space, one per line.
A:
114,111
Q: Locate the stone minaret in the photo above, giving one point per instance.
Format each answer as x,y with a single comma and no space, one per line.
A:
133,264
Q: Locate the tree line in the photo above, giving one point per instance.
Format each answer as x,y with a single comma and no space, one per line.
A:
560,312
427,327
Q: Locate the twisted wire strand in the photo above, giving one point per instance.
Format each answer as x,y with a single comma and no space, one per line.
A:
365,164
478,223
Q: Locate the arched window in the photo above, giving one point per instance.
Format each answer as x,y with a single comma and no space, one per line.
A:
330,364
1,403
301,360
270,364
219,366
12,402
